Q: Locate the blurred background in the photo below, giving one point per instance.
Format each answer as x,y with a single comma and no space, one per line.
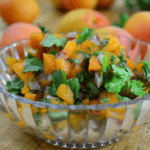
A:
131,16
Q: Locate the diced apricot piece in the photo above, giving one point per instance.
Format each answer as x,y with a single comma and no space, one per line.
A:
11,61
85,101
130,63
65,93
117,51
45,83
63,65
94,65
49,63
18,68
74,72
30,96
25,88
139,66
69,48
57,35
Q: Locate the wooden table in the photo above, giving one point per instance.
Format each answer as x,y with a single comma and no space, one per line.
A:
14,138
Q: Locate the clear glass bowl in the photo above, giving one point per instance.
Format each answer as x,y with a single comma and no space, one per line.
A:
74,126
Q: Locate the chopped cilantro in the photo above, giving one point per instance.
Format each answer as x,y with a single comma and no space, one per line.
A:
87,32
58,77
136,87
87,55
37,118
104,43
51,40
75,87
15,86
89,48
105,65
92,86
28,56
146,70
113,58
76,61
53,53
96,53
44,29
105,99
45,100
79,103
80,77
33,64
122,98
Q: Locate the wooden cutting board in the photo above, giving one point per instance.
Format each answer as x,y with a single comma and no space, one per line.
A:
14,138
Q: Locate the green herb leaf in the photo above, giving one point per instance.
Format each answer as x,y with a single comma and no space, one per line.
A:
45,100
87,55
92,86
52,90
53,53
105,41
51,40
87,32
76,61
44,29
146,70
105,65
79,103
136,87
37,118
96,53
29,56
129,4
80,77
15,86
33,64
113,58
122,98
75,87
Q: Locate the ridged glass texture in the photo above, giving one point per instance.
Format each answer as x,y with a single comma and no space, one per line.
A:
74,126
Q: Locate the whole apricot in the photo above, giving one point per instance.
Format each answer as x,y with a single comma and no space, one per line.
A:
104,3
75,4
19,10
17,32
138,26
78,19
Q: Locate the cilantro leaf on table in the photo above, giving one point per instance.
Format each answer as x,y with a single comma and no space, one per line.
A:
75,87
51,40
37,118
45,100
136,87
146,70
87,32
44,29
76,61
122,98
33,64
53,53
15,86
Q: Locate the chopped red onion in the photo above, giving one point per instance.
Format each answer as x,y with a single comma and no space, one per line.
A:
34,85
100,58
97,79
61,55
51,97
42,77
71,35
80,57
49,77
46,89
80,96
31,50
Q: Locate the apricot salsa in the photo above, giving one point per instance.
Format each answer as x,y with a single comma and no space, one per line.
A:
78,69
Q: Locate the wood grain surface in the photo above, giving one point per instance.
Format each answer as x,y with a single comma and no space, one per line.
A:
14,138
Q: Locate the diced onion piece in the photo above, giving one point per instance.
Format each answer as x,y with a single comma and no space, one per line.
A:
13,76
61,55
80,57
34,85
97,79
49,77
31,50
46,89
80,96
96,42
51,97
71,35
100,58
42,77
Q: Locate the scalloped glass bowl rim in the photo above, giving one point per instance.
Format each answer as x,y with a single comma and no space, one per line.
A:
71,107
